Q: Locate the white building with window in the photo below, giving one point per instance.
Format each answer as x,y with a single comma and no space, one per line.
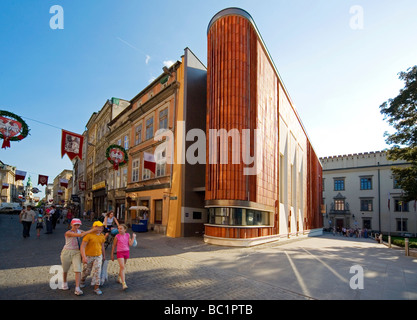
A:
360,191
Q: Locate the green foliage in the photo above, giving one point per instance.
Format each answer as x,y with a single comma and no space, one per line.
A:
400,241
401,113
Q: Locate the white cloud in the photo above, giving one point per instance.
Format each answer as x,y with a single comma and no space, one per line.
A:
151,79
147,59
168,63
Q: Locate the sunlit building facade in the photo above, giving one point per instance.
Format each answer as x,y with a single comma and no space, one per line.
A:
278,195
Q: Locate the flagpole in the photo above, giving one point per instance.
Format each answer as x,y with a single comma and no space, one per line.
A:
389,213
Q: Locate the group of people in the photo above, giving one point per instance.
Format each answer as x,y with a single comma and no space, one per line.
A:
83,250
88,256
350,232
43,217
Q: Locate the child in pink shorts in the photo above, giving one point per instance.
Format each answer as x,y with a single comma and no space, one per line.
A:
122,241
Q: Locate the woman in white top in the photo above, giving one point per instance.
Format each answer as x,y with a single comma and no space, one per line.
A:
109,221
70,254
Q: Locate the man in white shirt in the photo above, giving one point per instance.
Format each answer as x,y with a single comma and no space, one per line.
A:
26,218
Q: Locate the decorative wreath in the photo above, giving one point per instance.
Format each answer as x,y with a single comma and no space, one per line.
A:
10,129
117,156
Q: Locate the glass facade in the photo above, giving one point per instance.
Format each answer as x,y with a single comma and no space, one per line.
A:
238,217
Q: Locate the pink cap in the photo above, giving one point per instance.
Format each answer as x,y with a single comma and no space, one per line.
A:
76,221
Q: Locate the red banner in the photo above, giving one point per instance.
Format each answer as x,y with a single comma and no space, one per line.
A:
42,180
82,185
72,145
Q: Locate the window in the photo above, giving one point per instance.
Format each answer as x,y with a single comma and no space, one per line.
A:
367,224
163,119
138,134
238,217
396,184
366,205
119,142
146,173
124,178
366,183
339,205
110,182
339,184
402,225
149,128
160,164
135,171
400,205
126,142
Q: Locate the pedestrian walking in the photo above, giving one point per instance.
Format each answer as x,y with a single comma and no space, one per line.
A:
122,241
48,221
54,216
39,225
69,217
93,254
71,255
26,218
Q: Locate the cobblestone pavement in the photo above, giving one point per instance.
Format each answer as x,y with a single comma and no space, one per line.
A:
162,268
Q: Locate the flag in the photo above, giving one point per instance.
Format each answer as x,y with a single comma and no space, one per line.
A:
42,180
4,186
149,161
63,183
72,145
20,175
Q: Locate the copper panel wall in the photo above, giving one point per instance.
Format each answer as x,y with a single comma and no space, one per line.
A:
314,218
241,94
231,103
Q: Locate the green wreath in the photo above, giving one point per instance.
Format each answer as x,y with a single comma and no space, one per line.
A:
116,164
24,131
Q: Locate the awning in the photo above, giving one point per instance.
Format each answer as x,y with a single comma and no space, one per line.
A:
139,208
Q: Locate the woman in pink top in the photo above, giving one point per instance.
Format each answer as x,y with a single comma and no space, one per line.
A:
122,241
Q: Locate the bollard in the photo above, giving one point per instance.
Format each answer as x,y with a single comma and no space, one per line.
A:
407,253
389,241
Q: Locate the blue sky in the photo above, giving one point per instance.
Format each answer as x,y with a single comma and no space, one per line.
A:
337,76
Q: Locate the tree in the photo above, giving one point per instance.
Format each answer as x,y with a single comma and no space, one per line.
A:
401,114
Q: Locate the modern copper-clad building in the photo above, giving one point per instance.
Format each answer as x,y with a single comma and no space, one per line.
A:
263,178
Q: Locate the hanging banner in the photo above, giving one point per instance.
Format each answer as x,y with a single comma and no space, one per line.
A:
4,186
12,128
63,183
82,185
117,156
72,145
42,180
19,175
